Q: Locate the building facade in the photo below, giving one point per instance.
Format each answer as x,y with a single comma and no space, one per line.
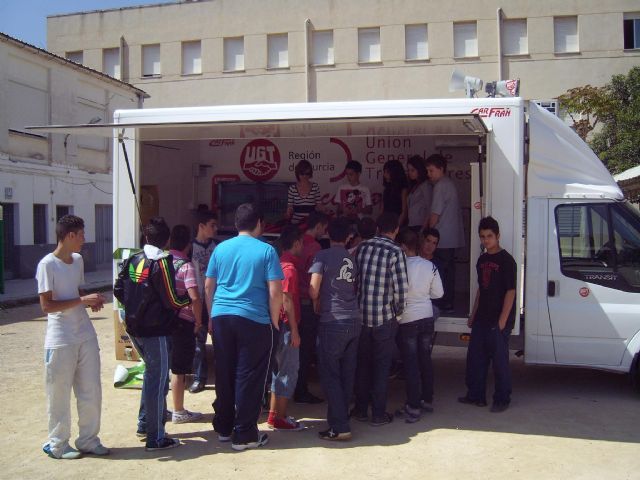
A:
43,177
213,52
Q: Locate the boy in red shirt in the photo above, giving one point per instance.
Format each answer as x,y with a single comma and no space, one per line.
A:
285,371
316,228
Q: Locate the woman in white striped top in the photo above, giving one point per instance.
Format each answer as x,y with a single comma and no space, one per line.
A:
303,197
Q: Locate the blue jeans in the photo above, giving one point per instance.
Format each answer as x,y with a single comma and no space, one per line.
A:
155,351
415,346
285,371
375,352
488,344
308,335
337,351
242,351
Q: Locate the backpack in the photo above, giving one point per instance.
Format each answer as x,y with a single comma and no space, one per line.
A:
133,288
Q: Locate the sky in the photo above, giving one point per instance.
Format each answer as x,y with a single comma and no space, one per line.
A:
26,20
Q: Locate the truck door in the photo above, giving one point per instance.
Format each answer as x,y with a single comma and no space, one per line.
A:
593,280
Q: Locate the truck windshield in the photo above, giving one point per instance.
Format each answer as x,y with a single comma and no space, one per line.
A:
600,243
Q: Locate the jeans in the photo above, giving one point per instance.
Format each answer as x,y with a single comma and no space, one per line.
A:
285,368
74,367
155,351
242,351
200,366
337,353
308,336
375,352
448,273
488,344
415,346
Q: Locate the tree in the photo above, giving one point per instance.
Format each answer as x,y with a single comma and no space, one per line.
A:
616,109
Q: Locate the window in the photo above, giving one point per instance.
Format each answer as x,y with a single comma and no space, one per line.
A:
191,58
62,210
233,54
76,57
514,37
111,62
416,46
322,44
278,47
631,28
550,105
565,34
39,223
28,104
151,60
369,45
600,243
465,40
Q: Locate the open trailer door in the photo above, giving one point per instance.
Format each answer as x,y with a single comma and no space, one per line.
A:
172,144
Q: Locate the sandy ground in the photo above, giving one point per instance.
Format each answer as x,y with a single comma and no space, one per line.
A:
563,423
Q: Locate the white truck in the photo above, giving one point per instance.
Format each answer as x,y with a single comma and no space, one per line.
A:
561,214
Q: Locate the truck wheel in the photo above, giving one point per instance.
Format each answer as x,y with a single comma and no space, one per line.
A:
635,373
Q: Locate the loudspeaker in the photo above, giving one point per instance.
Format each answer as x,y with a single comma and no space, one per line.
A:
459,81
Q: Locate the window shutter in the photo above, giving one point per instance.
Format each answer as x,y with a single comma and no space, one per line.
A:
416,42
369,45
465,40
323,48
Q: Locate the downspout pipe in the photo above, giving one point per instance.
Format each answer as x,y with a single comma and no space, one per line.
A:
307,27
499,22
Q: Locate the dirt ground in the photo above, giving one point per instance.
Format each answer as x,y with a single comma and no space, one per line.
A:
563,423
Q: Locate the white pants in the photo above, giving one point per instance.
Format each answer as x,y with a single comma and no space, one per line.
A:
76,366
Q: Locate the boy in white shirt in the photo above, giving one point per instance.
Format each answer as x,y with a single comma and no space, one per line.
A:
416,328
72,358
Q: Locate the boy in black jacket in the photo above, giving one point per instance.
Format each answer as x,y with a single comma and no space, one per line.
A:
491,321
146,288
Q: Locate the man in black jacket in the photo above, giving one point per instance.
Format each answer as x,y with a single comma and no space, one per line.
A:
146,288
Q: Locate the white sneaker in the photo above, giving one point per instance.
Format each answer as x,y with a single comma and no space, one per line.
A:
263,439
185,416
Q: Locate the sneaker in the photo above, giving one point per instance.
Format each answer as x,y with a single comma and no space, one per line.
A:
384,419
307,397
141,434
410,415
164,444
358,415
185,416
98,450
286,424
334,436
196,387
470,401
263,439
68,453
498,407
224,438
426,406
168,415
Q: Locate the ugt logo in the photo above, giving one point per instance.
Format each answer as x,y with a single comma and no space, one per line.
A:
260,160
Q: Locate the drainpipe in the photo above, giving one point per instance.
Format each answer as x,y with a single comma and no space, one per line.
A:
124,68
499,20
307,25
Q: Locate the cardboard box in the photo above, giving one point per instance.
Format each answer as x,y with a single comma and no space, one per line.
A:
124,348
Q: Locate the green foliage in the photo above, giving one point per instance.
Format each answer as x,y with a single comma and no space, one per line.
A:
616,107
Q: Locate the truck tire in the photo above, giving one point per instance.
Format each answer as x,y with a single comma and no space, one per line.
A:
634,372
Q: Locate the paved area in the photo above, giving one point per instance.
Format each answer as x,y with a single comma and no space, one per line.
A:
24,291
563,424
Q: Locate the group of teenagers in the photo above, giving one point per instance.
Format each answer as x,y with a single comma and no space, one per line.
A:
271,312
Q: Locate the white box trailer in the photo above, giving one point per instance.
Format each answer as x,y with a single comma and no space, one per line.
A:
561,214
